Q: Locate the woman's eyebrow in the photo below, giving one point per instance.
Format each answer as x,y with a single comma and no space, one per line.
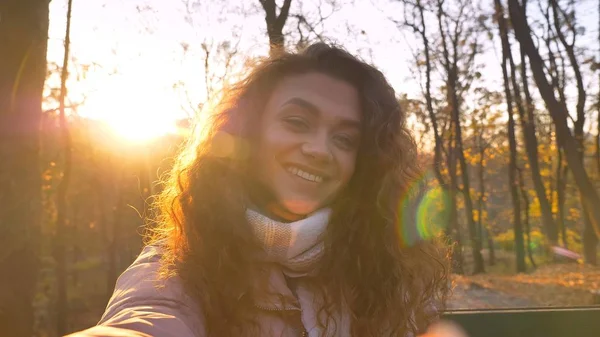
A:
310,107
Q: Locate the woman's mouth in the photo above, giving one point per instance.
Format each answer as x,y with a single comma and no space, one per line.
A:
304,175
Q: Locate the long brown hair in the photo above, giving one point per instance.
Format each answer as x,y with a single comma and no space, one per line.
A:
387,283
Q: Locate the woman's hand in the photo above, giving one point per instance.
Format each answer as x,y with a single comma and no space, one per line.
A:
445,329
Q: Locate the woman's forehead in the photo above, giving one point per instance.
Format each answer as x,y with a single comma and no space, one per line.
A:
318,91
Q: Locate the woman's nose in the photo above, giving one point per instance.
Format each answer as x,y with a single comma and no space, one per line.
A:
317,148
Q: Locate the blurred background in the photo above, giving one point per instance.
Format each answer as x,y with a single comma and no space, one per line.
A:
97,96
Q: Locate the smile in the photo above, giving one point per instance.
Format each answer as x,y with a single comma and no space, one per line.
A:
304,175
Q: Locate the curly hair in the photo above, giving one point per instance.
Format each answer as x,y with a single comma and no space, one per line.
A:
387,283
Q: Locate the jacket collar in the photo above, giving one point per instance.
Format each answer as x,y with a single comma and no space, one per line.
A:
273,292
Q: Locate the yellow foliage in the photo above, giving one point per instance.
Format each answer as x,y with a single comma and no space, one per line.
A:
506,240
574,214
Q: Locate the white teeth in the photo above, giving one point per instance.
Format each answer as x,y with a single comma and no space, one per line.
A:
305,175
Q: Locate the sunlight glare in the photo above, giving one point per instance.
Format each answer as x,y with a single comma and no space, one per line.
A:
134,129
138,115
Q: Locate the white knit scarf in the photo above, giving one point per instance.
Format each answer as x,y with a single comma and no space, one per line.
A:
297,247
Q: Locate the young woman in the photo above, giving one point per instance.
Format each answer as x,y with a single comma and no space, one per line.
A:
288,214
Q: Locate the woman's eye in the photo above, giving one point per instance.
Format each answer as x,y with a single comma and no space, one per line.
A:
297,124
345,142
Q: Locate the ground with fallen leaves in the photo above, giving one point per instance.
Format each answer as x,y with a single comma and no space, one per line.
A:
550,285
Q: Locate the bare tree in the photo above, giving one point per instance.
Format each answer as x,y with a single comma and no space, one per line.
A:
223,53
414,19
513,179
275,23
558,112
527,121
219,57
23,37
61,195
481,122
419,26
454,31
310,24
561,18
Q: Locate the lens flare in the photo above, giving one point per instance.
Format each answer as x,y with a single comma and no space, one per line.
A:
226,145
432,217
422,213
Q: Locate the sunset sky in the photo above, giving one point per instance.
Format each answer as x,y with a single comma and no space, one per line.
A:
136,47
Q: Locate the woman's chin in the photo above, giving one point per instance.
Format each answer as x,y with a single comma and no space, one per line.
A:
300,208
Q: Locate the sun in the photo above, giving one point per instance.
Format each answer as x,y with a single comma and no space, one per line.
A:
136,115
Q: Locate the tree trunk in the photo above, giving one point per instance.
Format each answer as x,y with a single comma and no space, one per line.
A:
437,159
481,198
476,243
23,43
551,182
590,240
527,121
148,191
529,107
526,220
512,168
491,249
512,177
476,248
451,68
452,231
101,197
61,194
111,273
454,227
561,184
482,207
114,235
275,23
558,112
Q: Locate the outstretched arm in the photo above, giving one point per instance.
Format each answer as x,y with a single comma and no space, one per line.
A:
145,305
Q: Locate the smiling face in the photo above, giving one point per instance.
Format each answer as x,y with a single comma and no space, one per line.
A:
308,142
